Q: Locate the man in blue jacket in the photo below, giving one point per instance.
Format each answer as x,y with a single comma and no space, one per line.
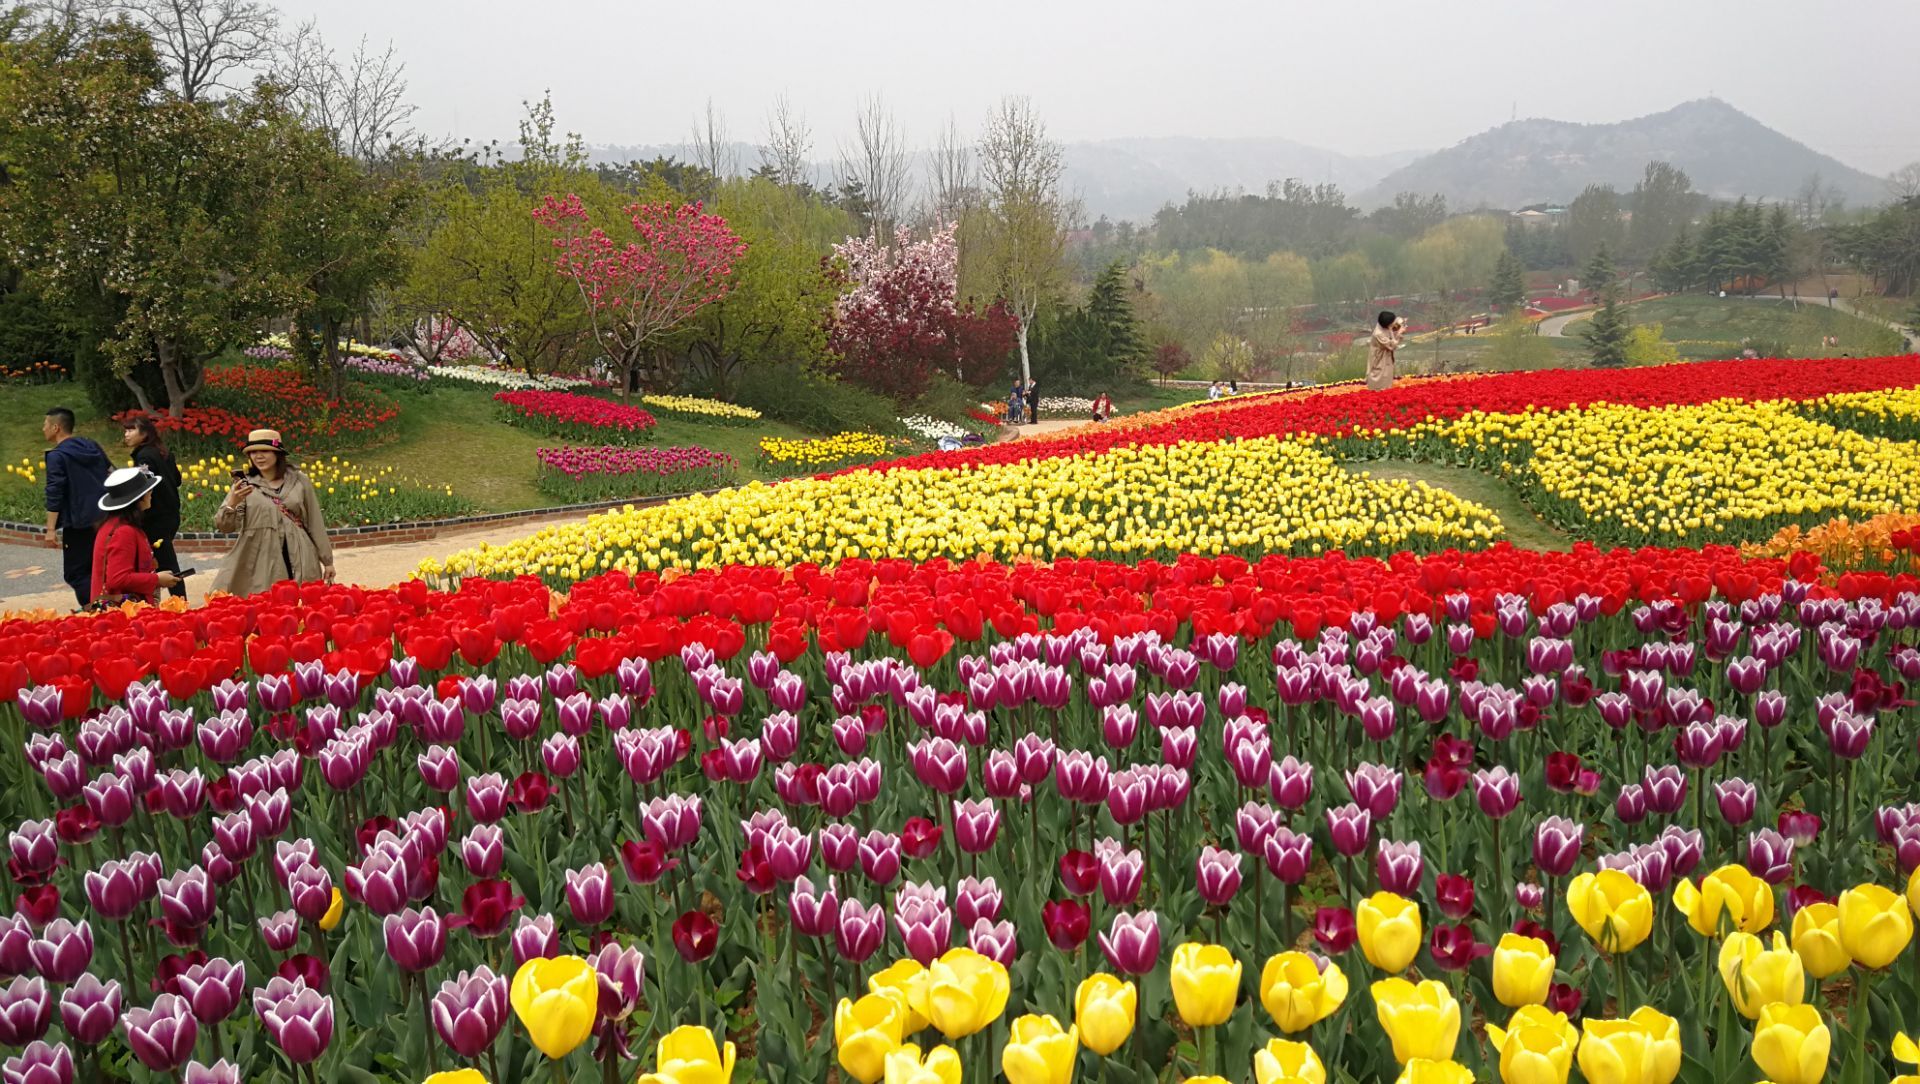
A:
77,471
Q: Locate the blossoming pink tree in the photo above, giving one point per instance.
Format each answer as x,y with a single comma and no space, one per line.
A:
677,261
899,319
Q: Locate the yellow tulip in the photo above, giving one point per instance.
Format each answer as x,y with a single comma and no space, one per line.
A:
865,1032
1206,982
1913,892
1424,1071
1284,1062
906,981
1614,909
1757,976
940,1066
1642,1049
1297,993
1205,1080
1522,970
1791,1044
1875,925
1730,892
688,1055
1389,928
456,1076
1103,1010
965,992
1816,937
1536,1046
1423,1021
334,910
1039,1052
555,999
1905,1050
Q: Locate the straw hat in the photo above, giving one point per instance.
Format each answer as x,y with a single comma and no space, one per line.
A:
265,440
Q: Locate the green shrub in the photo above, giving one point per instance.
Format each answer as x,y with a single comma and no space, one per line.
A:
788,394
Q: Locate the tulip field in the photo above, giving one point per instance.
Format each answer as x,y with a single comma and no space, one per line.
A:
1178,748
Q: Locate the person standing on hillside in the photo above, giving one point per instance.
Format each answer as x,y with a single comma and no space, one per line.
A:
77,471
1387,337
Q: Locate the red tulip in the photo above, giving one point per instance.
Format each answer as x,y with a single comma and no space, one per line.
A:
1068,922
695,936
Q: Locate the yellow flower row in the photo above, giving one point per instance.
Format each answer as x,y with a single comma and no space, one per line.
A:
1251,496
824,451
687,404
1721,471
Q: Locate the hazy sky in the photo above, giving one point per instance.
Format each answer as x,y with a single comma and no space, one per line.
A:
1358,78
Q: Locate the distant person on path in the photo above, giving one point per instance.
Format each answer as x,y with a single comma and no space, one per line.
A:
1389,332
1233,387
1033,402
1102,408
1213,390
123,558
1016,405
162,521
276,512
77,471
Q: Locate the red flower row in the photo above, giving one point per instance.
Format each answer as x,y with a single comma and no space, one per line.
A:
922,610
1409,403
565,409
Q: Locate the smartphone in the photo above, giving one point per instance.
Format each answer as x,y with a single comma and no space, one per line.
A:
239,475
185,572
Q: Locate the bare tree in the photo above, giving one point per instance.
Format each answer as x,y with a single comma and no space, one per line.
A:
950,169
788,141
878,164
1904,183
711,151
362,102
202,42
1020,171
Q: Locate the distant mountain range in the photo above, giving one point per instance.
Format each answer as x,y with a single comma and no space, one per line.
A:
1726,153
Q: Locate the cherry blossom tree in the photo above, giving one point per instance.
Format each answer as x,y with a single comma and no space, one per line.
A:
638,287
899,321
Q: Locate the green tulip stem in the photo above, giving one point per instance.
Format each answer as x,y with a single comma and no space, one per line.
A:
1858,1018
1259,911
1620,984
426,1026
1286,921
559,1071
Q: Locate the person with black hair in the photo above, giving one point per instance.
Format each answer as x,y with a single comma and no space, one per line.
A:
123,560
163,519
1389,332
76,475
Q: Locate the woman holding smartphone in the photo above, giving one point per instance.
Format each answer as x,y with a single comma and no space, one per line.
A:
276,512
1387,336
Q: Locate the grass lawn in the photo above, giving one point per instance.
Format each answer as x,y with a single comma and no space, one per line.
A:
1524,529
1155,397
1711,327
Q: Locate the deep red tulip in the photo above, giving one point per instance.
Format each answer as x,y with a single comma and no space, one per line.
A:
1563,770
40,904
530,792
1526,927
1068,922
1566,999
304,966
1079,872
486,907
78,824
1334,929
167,973
371,828
713,765
645,861
1454,895
695,936
920,837
1454,947
755,872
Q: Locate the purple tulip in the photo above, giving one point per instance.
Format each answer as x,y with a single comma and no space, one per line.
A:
1802,828
40,706
1376,787
469,1011
1350,827
1288,854
840,846
162,1037
213,989
635,677
976,899
110,797
416,940
380,880
925,924
672,822
1253,822
1684,848
995,940
89,1009
1132,943
1848,735
280,931
35,848
880,856
1250,756
220,1072
1631,804
1666,789
297,1018
1556,846
439,768
780,735
590,894
1736,798
622,973
1906,848
1121,872
1080,776
1496,791
814,911
186,898
39,1063
1217,875
63,950
860,930
535,938
1529,896
25,1010
1291,783
975,825
483,851
1770,856
487,797
1400,867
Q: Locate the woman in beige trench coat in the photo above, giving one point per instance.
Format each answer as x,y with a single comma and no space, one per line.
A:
1380,351
276,513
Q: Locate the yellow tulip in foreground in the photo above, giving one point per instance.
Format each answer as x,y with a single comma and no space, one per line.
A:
1816,937
688,1055
1389,928
1730,893
1906,1052
906,980
865,1032
1614,909
941,1065
1642,1049
1103,1010
1875,925
1536,1046
1297,993
1913,892
1039,1052
555,999
1423,1071
1206,981
1423,1021
1522,970
335,909
1791,1044
1284,1062
965,992
1757,976
456,1076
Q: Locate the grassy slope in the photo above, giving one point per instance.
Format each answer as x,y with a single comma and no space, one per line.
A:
1712,327
1524,529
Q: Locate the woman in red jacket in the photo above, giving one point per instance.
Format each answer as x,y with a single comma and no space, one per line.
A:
123,564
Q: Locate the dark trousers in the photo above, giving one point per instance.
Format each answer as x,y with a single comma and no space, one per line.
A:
168,561
76,554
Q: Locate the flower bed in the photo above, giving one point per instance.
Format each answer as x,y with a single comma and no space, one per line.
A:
580,475
710,411
34,372
1065,406
499,376
929,428
241,398
1084,815
575,417
822,453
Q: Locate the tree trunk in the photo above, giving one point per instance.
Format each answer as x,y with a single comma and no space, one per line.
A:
139,393
1026,368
